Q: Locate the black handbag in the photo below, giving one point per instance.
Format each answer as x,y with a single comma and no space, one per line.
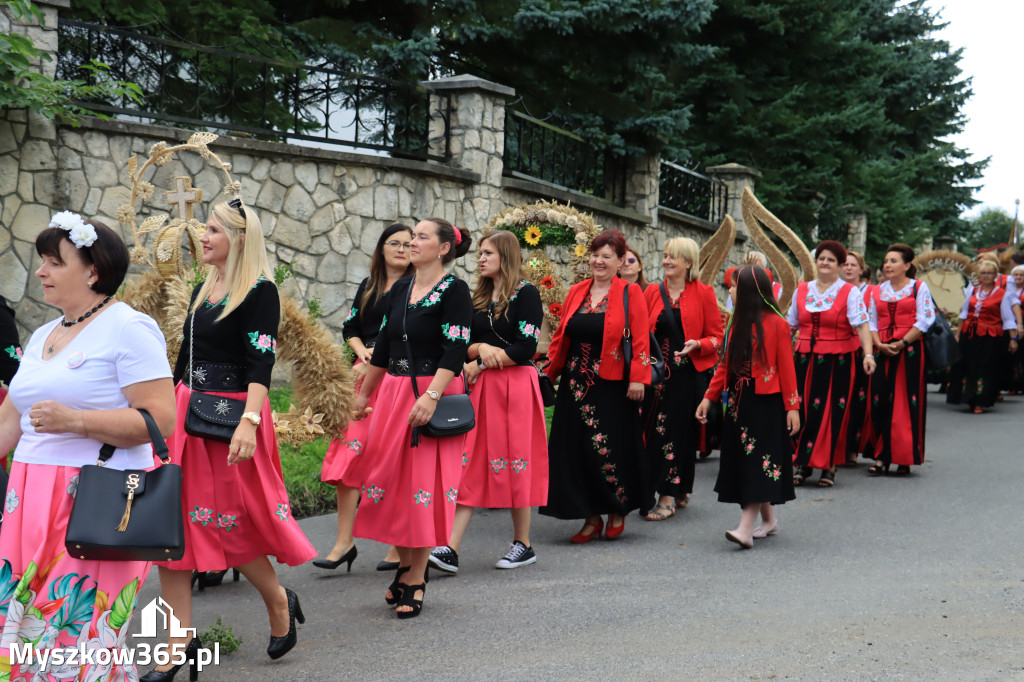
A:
130,515
658,369
941,350
547,387
210,416
454,414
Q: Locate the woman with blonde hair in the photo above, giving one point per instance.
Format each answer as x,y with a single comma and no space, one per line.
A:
683,314
508,449
235,505
975,379
856,272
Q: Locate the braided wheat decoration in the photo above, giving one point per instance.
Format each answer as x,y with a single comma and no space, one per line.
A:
716,250
755,215
322,376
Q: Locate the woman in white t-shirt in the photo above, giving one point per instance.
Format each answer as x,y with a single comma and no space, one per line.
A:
82,379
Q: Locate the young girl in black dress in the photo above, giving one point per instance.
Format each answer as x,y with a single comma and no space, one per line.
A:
757,456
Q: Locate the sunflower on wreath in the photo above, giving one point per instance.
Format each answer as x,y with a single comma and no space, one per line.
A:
559,226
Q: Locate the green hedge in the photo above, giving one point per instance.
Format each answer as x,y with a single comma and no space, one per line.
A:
309,496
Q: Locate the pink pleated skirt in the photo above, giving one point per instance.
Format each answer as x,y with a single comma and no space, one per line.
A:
508,449
409,493
233,514
50,598
342,463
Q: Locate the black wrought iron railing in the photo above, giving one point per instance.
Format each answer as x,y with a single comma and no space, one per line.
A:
541,151
206,87
687,191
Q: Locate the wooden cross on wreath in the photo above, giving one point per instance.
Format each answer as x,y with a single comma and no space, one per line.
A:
184,196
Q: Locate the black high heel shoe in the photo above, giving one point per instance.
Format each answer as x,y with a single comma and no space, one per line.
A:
166,675
395,588
349,556
279,646
408,600
212,578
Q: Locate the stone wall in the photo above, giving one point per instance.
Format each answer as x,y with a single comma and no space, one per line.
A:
322,209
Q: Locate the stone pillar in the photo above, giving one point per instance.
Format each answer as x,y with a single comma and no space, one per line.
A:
857,233
28,177
736,179
643,175
477,131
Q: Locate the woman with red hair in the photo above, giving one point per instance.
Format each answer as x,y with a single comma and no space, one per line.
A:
832,322
596,444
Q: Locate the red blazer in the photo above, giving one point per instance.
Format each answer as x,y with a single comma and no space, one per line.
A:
778,376
612,364
698,309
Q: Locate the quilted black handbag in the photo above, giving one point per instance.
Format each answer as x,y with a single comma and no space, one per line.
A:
130,515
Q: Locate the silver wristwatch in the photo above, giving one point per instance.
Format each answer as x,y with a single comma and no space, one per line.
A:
434,394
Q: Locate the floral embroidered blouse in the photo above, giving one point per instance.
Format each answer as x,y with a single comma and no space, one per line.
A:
363,324
818,302
925,308
248,336
438,324
516,329
10,347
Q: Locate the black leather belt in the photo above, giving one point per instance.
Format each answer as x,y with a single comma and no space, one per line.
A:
218,376
401,367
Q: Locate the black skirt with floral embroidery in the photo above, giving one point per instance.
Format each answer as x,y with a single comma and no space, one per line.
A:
596,445
757,453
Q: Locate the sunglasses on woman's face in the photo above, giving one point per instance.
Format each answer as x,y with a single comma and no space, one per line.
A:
631,261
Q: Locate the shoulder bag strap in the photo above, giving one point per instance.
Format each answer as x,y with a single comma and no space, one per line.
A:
405,338
668,311
627,335
157,438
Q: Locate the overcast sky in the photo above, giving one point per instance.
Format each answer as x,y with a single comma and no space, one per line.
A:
989,31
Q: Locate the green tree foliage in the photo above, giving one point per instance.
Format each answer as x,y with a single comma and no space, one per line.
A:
989,228
22,86
610,70
852,99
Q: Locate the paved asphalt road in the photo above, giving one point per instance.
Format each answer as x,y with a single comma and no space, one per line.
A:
907,578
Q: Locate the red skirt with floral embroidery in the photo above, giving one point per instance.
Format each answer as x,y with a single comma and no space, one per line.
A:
409,493
344,454
233,514
508,449
51,599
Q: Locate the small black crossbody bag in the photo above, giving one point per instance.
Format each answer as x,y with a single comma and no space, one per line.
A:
453,415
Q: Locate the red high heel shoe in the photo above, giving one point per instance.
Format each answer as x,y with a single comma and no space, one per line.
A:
614,531
582,537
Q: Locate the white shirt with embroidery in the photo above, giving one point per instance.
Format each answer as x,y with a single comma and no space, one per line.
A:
1005,306
925,307
820,301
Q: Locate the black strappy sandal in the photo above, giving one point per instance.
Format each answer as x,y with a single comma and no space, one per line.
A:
395,588
828,478
409,600
903,470
801,475
878,468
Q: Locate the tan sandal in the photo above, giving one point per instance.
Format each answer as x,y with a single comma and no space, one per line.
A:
666,512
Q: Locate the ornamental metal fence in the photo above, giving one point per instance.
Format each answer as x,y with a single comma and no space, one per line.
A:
538,150
689,192
199,86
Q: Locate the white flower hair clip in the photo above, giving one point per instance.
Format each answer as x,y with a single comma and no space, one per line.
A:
80,233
